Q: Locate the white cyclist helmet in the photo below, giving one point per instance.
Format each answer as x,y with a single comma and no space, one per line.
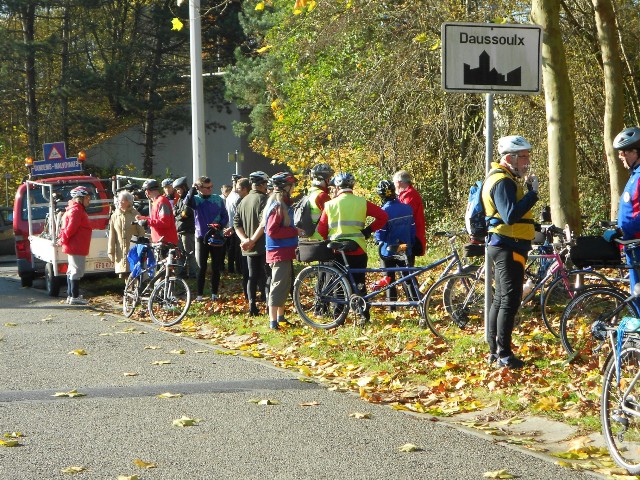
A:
512,144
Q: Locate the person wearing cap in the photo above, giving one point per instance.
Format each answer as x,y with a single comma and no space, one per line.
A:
160,219
511,230
210,218
344,218
169,191
75,239
403,182
281,241
320,176
250,231
185,224
627,142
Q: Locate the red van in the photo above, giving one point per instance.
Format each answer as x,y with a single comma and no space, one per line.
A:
40,192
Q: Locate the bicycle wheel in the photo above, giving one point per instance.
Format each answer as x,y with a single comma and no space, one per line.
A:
620,408
130,297
453,303
169,301
321,296
596,303
560,292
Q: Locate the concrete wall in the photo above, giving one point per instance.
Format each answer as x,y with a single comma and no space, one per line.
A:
173,152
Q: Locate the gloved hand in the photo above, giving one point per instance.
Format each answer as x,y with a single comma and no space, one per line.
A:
532,183
366,231
611,234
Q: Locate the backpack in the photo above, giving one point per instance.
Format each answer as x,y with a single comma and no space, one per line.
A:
302,216
475,218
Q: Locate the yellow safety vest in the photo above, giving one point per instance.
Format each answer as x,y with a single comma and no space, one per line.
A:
523,229
346,215
315,211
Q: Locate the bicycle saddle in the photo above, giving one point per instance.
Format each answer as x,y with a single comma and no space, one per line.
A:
343,245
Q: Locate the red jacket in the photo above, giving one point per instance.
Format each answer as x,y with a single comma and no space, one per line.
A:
411,197
162,222
75,232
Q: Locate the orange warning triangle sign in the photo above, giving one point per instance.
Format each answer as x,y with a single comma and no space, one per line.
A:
55,154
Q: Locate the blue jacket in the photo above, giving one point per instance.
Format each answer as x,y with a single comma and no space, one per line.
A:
206,211
399,229
629,207
136,253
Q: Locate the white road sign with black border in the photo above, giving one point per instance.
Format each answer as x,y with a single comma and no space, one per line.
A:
487,57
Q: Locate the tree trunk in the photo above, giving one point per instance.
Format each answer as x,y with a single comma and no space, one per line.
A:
613,95
563,185
27,18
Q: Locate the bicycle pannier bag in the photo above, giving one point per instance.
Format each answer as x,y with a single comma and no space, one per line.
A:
595,250
314,251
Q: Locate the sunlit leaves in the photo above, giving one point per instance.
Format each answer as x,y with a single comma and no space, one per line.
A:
176,24
498,474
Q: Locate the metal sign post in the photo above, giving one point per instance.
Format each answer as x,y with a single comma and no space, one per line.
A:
489,58
198,138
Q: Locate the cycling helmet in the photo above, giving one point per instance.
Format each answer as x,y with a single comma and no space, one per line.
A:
166,182
235,177
79,192
282,179
344,180
269,184
386,189
150,185
627,139
321,172
258,177
512,144
180,182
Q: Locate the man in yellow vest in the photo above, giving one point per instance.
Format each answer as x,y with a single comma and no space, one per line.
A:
511,230
344,218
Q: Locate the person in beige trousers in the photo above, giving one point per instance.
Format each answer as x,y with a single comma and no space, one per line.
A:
122,227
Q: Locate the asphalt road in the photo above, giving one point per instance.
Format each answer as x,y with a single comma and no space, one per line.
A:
121,418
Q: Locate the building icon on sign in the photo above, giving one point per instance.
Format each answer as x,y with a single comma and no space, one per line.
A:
483,75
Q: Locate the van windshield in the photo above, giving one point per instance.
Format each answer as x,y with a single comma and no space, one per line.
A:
40,203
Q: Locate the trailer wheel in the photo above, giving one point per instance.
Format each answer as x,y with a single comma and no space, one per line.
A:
26,280
52,282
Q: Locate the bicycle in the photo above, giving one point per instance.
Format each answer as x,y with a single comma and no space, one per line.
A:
607,304
620,397
168,297
457,301
323,294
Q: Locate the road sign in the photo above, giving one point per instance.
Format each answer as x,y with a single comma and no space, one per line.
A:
491,58
55,161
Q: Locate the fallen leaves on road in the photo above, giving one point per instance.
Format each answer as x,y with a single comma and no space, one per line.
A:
9,443
186,422
79,352
360,415
128,477
161,362
409,447
264,401
498,474
309,404
71,394
73,469
142,464
170,395
130,374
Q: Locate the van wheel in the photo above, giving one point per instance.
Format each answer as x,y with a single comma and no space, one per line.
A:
26,280
52,282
